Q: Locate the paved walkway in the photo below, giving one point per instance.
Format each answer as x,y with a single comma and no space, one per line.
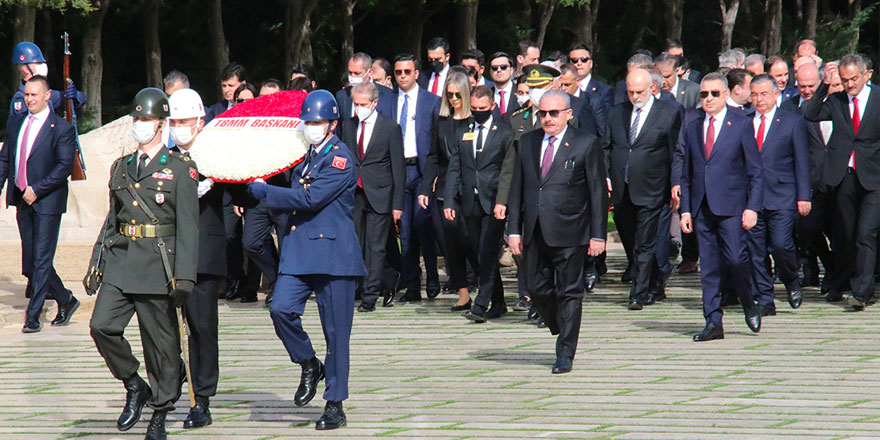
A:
419,371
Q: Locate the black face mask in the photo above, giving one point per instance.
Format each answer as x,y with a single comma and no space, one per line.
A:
437,66
481,116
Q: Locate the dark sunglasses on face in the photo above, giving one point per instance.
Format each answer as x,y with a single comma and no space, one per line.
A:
451,95
705,94
552,113
578,60
502,67
403,72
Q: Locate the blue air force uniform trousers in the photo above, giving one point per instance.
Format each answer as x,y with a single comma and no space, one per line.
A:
321,254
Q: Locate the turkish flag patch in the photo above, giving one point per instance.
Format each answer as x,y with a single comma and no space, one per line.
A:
193,174
339,162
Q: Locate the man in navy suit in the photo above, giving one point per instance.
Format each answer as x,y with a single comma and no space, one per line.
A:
231,77
36,160
721,194
360,69
778,69
415,109
599,94
782,143
320,254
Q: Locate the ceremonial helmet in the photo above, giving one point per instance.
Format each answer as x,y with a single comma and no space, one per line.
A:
151,103
186,104
319,105
26,53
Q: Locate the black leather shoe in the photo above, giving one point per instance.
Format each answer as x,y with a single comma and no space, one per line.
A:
433,291
388,298
268,301
248,297
591,278
562,365
475,315
635,304
462,307
627,275
410,296
156,429
542,323
768,310
312,373
834,296
137,394
199,415
364,307
533,314
496,312
857,302
232,290
795,297
523,305
31,327
654,298
447,289
333,417
65,312
710,333
753,319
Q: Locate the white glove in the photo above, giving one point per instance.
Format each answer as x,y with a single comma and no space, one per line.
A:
205,186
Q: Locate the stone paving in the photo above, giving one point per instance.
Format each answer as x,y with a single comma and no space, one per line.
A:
419,371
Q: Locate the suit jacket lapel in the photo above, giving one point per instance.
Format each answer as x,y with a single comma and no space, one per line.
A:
774,128
48,125
870,107
377,131
559,156
725,123
625,119
650,118
490,136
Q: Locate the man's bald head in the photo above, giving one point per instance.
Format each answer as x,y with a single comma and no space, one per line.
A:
638,87
808,79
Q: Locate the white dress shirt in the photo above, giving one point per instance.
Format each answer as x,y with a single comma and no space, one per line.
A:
508,95
486,127
674,88
642,116
584,82
442,78
768,119
368,129
39,120
410,149
863,101
556,144
719,120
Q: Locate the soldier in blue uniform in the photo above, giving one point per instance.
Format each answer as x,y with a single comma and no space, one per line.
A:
320,253
30,61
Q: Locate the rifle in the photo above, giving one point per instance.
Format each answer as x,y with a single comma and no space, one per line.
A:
79,164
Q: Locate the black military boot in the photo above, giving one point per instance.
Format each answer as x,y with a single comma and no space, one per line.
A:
138,392
312,373
156,430
333,418
199,415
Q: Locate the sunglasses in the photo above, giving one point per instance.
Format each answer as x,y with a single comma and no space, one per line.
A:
403,72
578,60
451,95
502,67
552,113
705,94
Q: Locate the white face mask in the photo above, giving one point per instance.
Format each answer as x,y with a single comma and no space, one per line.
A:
314,134
143,131
362,112
182,135
41,69
535,96
522,99
355,80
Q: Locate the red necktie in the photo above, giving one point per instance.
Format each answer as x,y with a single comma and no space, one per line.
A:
436,83
710,137
21,174
503,106
760,137
856,121
361,150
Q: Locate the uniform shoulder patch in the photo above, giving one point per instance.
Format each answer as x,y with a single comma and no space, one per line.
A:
193,173
339,162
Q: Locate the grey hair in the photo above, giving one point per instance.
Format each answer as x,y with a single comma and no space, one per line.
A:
365,59
639,60
715,76
566,98
656,78
854,59
366,88
174,77
755,59
765,78
731,58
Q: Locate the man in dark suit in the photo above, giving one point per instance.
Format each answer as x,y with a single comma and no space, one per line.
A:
600,94
739,81
782,143
231,77
557,214
36,160
685,92
639,60
851,170
642,135
376,144
438,60
721,193
415,110
476,59
360,67
501,67
590,117
777,68
479,165
676,47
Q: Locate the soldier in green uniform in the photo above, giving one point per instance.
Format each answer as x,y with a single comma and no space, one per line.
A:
147,253
539,78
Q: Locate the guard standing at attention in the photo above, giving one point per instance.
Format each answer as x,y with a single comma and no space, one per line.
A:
147,253
320,253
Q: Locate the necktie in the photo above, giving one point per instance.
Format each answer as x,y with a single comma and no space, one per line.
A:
21,174
404,114
856,119
710,137
361,149
142,164
436,82
760,136
547,160
503,103
634,127
479,148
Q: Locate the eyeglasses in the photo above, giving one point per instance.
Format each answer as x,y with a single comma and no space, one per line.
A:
451,95
403,72
578,60
502,67
552,113
705,94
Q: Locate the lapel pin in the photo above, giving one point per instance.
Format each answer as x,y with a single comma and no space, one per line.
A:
566,144
728,123
51,125
494,127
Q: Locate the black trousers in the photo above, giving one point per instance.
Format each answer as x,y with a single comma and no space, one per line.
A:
201,318
372,230
639,224
690,250
811,229
257,239
459,250
555,282
485,233
157,321
858,221
250,280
